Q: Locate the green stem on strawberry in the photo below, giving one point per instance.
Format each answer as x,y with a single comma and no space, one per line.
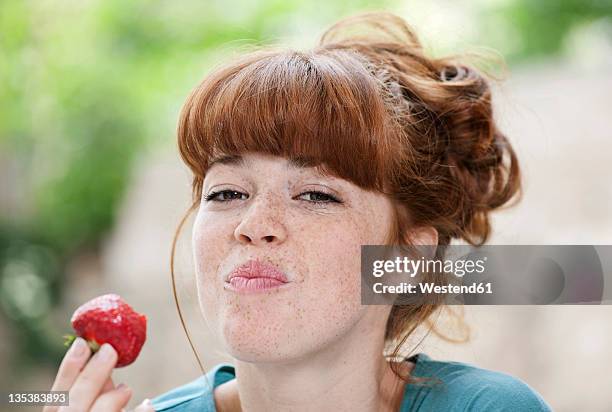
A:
93,345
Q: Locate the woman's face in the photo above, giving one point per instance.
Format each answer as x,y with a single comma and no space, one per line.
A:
309,226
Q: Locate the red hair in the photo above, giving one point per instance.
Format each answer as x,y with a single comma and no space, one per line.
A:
370,108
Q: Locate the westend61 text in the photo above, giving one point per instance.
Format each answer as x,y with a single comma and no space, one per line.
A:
474,288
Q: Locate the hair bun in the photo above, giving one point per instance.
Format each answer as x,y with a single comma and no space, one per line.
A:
454,73
443,108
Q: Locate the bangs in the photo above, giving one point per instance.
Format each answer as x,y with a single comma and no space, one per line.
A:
321,109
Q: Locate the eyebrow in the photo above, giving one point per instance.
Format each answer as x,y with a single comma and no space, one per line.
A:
238,160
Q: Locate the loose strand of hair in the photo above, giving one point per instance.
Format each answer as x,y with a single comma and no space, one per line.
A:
172,272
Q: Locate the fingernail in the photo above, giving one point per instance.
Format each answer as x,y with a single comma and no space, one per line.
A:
123,387
146,402
78,347
106,352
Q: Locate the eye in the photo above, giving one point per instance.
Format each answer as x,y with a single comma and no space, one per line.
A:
321,197
229,195
213,196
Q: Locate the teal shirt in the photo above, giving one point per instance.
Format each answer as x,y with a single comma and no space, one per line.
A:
461,387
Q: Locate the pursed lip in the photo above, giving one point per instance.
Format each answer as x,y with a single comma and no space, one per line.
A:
254,268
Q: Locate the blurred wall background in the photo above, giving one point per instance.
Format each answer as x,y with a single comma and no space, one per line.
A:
92,188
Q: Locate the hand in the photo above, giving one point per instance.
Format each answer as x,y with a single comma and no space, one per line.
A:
89,384
145,406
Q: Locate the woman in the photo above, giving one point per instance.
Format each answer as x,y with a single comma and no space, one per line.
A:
299,158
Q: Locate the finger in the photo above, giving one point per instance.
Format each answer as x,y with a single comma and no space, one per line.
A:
74,360
145,406
90,381
108,385
113,400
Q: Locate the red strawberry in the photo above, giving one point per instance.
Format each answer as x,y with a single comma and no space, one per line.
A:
108,319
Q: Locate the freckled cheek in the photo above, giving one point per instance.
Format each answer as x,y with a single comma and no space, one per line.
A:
210,248
335,264
210,236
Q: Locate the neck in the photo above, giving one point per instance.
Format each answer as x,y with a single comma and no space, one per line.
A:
347,375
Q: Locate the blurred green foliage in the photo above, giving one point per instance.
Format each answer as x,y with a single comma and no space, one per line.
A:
525,29
85,87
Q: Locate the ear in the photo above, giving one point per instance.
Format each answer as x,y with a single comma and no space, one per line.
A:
422,235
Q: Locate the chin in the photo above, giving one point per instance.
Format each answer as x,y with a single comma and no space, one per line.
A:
248,351
259,358
261,343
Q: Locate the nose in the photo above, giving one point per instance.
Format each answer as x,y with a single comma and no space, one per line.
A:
262,223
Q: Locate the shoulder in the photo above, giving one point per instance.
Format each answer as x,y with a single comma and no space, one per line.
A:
196,395
462,386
